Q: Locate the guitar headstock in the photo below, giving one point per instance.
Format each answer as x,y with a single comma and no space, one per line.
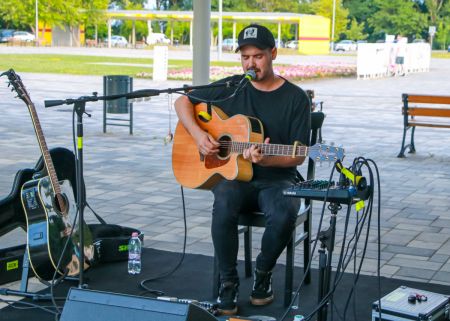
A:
18,87
327,153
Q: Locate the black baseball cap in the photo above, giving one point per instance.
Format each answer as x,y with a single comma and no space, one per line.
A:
256,35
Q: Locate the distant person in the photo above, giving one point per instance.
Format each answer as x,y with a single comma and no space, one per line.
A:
400,55
284,110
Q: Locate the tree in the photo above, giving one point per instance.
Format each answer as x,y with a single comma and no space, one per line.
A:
361,10
276,5
356,31
397,17
434,8
94,16
126,3
18,14
325,8
442,37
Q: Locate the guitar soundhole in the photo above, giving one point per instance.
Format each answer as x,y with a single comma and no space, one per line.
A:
61,203
225,147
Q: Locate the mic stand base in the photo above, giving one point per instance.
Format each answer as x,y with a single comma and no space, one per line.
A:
326,238
30,295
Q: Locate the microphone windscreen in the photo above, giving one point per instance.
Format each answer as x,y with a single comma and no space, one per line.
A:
251,74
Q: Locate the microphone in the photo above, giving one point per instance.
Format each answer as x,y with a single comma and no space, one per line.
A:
249,75
357,180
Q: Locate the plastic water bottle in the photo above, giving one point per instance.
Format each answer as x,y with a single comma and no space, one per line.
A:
134,254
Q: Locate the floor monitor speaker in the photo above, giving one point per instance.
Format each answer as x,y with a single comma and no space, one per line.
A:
92,305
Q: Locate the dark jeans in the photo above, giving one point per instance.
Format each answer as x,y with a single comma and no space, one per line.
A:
234,197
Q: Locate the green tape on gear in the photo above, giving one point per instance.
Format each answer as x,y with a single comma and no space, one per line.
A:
13,265
204,115
359,205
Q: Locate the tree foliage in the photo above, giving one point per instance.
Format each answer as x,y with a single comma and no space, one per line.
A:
356,31
354,19
442,38
397,17
21,13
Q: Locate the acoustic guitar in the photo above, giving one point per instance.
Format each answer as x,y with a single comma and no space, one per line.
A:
50,212
235,134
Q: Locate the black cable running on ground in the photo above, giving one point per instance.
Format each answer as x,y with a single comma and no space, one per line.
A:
28,305
163,275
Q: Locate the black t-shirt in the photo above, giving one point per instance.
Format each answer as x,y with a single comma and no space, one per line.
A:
284,113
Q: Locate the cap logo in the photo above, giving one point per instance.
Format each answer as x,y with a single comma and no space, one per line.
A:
251,33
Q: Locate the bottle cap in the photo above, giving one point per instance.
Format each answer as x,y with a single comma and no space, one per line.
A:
134,234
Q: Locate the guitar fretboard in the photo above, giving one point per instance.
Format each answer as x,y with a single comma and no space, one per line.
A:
16,82
44,149
269,149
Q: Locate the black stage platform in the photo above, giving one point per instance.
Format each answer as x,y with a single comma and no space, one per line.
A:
193,281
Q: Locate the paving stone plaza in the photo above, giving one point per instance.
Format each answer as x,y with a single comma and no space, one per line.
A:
129,178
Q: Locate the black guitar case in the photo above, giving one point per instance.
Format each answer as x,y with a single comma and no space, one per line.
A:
111,241
11,210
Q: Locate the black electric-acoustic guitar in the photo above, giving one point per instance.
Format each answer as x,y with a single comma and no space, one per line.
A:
50,211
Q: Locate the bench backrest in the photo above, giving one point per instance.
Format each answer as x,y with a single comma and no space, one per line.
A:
426,99
423,110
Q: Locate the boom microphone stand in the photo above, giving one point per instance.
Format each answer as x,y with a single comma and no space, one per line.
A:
80,109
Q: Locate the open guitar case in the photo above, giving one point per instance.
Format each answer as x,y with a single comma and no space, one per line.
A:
110,240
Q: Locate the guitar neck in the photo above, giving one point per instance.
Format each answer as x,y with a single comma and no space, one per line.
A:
44,149
22,93
271,149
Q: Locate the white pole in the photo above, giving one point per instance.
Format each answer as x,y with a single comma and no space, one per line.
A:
201,42
219,34
36,31
279,35
332,25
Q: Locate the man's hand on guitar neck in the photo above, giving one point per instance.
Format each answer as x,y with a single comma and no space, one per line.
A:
254,153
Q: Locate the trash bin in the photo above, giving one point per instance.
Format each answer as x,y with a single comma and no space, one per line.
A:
114,85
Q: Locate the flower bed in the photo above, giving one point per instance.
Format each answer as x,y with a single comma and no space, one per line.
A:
291,72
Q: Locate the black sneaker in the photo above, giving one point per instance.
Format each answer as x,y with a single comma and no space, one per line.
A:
262,293
228,294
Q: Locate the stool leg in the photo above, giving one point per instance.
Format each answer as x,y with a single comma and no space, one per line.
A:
289,273
307,246
216,278
248,251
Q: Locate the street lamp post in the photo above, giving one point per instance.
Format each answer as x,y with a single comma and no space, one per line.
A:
333,20
219,33
36,31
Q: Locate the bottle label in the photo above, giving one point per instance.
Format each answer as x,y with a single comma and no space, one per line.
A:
134,256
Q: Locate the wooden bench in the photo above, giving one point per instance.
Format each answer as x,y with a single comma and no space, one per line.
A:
420,114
